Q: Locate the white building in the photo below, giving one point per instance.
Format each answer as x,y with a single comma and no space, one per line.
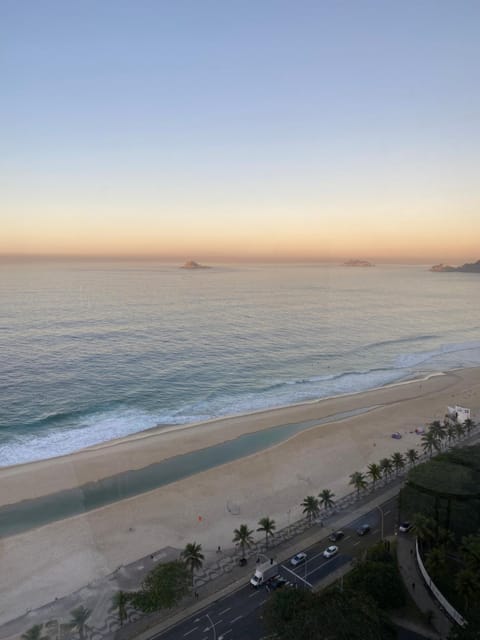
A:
460,414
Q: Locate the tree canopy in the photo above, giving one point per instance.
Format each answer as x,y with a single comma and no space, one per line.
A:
163,587
294,614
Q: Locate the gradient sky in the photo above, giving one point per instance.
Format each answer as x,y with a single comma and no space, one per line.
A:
258,129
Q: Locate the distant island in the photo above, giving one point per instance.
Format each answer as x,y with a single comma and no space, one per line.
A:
357,263
468,267
191,264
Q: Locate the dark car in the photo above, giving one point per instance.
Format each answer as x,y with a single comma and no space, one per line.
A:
275,583
363,529
336,535
405,527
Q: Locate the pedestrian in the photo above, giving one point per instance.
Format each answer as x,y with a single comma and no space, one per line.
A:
413,586
411,552
196,595
219,549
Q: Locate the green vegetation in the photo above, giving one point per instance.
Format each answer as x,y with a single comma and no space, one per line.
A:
356,610
79,619
442,497
193,557
379,578
358,480
311,507
293,614
243,537
119,604
34,633
326,498
163,587
267,525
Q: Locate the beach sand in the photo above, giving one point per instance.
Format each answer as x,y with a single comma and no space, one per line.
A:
61,557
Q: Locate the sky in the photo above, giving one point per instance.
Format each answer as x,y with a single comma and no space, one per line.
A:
243,130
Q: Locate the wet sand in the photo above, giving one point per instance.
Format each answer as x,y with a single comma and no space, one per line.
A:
58,558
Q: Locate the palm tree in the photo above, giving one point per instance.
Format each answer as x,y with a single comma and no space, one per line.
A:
451,432
375,473
267,525
459,430
423,526
243,536
326,498
386,466
79,620
193,557
438,429
311,507
34,633
469,425
430,442
119,604
435,561
467,584
412,456
398,462
357,479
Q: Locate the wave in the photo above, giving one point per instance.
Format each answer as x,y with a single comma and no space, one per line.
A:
61,433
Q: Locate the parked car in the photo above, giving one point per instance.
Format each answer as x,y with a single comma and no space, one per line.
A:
363,529
330,551
405,527
298,559
336,535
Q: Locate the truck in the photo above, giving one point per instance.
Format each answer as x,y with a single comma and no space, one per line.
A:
263,572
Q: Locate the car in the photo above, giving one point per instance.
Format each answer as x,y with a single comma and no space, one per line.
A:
298,559
397,435
330,551
363,529
275,583
405,527
336,535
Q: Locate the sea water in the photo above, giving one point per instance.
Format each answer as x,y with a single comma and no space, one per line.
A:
95,351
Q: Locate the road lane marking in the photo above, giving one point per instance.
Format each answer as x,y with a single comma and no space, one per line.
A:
263,602
355,543
255,593
235,619
387,512
224,611
225,633
347,537
189,632
296,575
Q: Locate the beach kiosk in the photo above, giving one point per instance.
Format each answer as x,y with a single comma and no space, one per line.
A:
460,414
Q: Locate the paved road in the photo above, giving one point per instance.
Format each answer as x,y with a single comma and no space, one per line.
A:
238,615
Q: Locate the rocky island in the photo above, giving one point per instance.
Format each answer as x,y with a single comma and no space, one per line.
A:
468,267
357,263
191,264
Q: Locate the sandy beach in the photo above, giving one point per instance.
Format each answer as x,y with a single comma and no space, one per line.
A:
63,556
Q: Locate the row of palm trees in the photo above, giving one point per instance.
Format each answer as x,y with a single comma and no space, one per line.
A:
312,505
441,435
433,440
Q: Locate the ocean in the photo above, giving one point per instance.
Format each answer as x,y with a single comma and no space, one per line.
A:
91,351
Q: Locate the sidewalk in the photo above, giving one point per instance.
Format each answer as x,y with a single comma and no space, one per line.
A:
218,588
416,587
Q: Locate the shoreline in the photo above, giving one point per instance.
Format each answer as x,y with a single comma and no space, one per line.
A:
173,427
96,462
159,429
63,556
